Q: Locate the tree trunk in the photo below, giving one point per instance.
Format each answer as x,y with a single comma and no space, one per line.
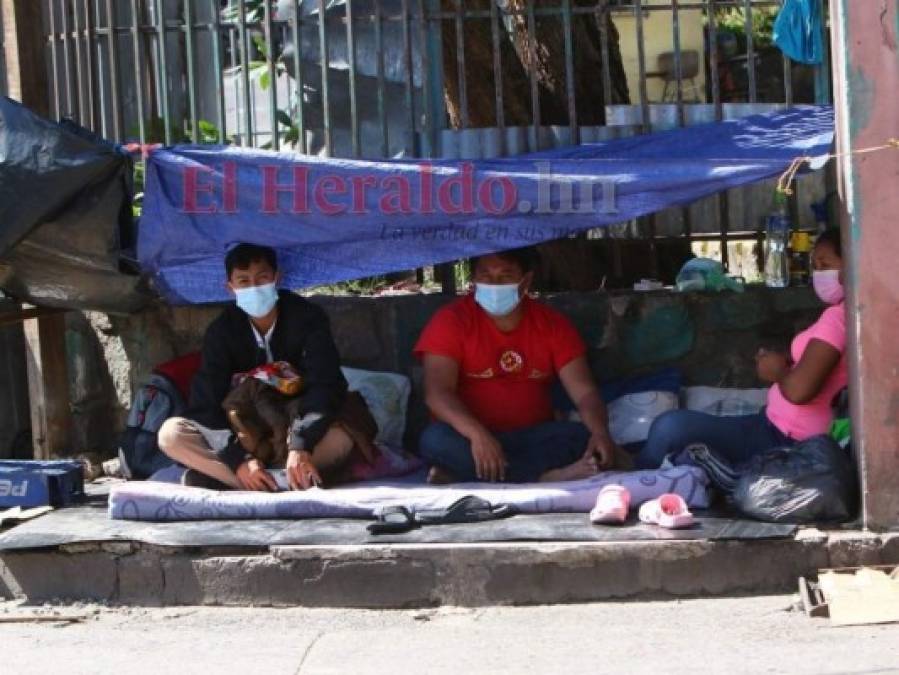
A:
548,66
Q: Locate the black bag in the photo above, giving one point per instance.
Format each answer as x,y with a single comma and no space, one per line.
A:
154,403
813,481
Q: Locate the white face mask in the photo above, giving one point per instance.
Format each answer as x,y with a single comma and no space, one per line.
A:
257,301
497,299
827,286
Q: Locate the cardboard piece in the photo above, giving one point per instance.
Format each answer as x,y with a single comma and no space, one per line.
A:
861,595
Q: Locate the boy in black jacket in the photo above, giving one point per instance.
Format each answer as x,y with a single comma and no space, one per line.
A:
264,325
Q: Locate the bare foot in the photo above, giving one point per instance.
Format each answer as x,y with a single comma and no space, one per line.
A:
440,476
582,468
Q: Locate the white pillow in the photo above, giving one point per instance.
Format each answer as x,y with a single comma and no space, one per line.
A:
725,402
387,396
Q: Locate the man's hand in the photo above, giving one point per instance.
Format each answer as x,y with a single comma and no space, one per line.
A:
771,367
603,448
301,472
253,476
489,459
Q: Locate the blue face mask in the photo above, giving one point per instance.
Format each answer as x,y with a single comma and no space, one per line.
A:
497,299
257,301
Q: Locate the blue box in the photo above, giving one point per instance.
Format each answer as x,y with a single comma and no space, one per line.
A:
39,483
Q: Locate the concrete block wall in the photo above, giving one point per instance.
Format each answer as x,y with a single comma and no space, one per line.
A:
711,337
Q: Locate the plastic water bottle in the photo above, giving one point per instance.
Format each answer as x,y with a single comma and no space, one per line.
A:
777,236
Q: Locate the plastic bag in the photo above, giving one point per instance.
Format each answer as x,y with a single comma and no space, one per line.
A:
798,31
705,274
813,481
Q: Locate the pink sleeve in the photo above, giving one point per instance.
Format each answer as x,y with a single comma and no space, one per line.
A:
831,328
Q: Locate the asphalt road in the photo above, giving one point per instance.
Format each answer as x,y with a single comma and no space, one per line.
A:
734,635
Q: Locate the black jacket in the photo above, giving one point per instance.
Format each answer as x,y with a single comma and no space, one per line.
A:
302,336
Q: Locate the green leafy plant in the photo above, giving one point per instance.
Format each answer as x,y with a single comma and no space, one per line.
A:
733,20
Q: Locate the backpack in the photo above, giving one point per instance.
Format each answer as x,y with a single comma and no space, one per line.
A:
163,396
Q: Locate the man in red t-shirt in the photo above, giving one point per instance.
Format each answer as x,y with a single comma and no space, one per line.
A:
490,359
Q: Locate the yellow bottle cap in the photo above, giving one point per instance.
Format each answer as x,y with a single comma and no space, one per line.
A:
801,242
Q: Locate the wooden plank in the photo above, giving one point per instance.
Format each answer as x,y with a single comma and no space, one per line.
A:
48,385
11,318
23,45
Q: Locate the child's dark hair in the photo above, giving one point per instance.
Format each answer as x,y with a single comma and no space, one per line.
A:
525,258
831,236
243,255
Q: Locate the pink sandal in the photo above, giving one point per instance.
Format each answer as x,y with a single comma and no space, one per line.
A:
669,510
612,505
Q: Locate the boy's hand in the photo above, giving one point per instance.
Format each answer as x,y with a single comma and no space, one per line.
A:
253,476
301,472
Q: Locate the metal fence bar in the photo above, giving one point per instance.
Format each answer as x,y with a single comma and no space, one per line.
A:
323,62
408,81
92,108
54,58
117,117
713,59
298,75
602,14
569,72
162,55
272,76
351,67
67,56
425,61
750,51
649,221
678,65
460,65
379,48
191,71
80,75
138,73
244,39
641,64
532,70
216,28
497,65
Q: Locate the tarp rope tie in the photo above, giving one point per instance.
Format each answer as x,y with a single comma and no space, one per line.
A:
785,182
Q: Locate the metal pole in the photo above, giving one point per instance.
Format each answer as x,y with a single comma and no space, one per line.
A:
407,61
298,73
569,73
460,65
351,66
245,73
272,78
54,59
497,65
138,72
750,51
189,47
325,62
532,70
379,48
217,66
117,120
162,55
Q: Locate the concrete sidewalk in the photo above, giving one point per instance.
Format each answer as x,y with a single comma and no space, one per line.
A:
424,575
732,635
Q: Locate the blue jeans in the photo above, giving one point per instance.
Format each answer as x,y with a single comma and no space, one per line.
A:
529,452
735,439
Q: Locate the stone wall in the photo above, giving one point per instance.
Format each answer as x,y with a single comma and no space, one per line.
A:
711,337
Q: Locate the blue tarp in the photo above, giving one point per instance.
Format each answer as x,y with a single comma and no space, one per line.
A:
337,219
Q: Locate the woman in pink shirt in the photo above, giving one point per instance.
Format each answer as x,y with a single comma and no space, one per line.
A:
803,384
